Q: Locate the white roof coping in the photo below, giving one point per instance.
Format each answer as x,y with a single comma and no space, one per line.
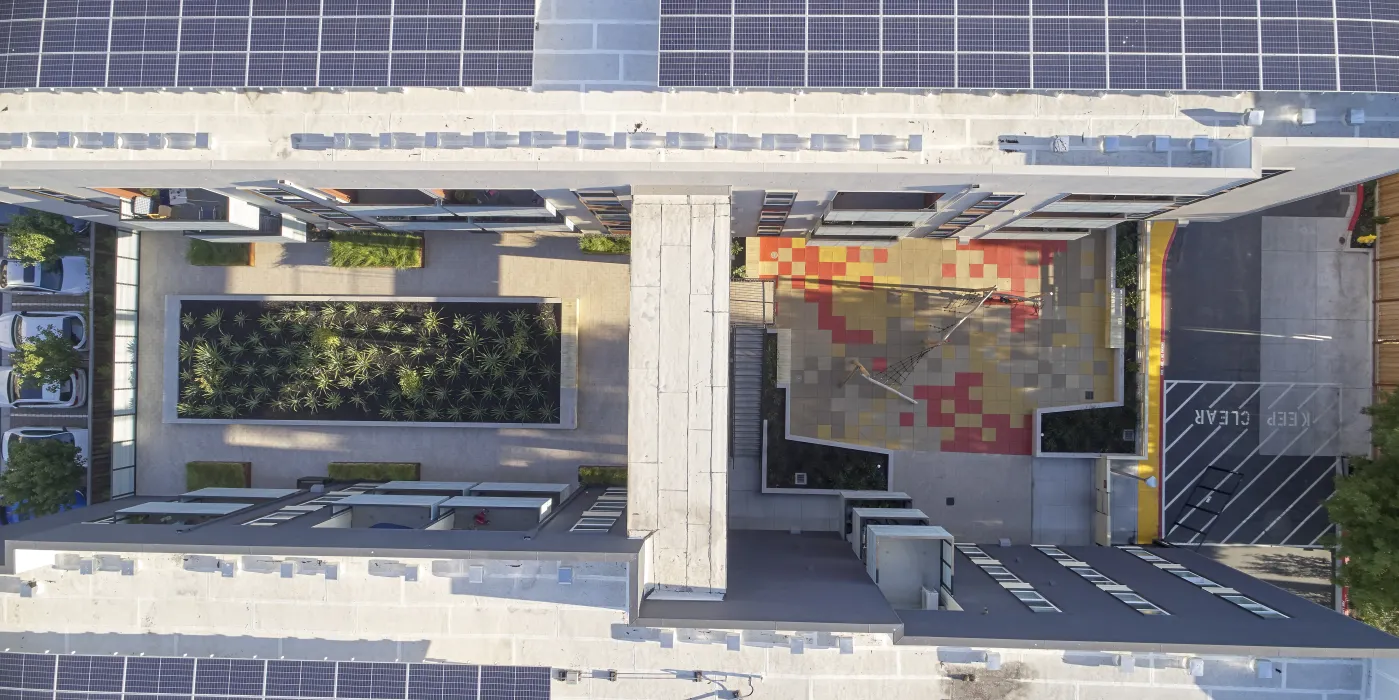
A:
224,492
381,499
507,486
870,495
183,508
462,486
909,531
889,513
539,504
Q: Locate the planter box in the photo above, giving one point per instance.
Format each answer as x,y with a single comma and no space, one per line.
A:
265,361
374,471
235,475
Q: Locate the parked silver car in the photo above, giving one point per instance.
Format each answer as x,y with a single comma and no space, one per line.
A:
71,392
66,275
16,326
72,436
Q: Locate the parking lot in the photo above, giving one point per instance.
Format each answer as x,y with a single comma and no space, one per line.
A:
25,417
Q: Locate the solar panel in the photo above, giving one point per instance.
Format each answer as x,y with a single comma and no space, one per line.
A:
307,679
375,681
261,43
91,673
156,675
74,677
22,671
229,677
1148,45
515,682
443,682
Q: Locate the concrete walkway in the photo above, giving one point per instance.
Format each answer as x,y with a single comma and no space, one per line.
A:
458,264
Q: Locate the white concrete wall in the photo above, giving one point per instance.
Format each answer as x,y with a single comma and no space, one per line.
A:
1319,165
165,611
251,136
678,349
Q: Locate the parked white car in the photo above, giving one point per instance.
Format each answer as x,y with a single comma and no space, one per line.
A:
71,392
66,275
72,436
16,326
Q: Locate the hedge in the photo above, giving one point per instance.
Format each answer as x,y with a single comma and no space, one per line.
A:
231,475
603,244
375,471
602,476
206,254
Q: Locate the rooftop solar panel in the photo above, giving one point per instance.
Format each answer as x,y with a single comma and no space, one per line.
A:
261,43
514,683
27,671
157,675
307,679
371,681
229,677
1131,45
443,682
74,677
91,673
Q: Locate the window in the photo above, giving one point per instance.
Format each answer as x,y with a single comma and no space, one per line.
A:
1194,578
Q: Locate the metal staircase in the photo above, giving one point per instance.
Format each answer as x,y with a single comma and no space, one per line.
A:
750,314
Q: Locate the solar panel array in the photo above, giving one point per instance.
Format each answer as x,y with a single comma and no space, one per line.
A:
49,677
1128,45
265,43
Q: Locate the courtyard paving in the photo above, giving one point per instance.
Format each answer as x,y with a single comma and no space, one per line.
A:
457,264
979,391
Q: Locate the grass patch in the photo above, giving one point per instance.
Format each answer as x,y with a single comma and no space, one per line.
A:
376,249
231,475
206,254
601,244
1100,430
374,471
602,476
825,467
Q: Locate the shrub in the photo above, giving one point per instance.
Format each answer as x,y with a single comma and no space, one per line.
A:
42,476
206,254
47,359
602,244
376,249
374,471
38,236
232,475
602,476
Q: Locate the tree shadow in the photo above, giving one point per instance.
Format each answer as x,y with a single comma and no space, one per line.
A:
304,254
1292,565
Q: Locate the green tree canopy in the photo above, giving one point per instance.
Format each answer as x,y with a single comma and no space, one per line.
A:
1366,506
38,236
41,476
47,359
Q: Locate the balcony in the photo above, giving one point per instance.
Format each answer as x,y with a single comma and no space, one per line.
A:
439,203
499,211
877,215
181,209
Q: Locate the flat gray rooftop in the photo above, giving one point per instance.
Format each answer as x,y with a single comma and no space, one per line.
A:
1093,618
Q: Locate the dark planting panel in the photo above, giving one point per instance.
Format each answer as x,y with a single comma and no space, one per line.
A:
460,362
